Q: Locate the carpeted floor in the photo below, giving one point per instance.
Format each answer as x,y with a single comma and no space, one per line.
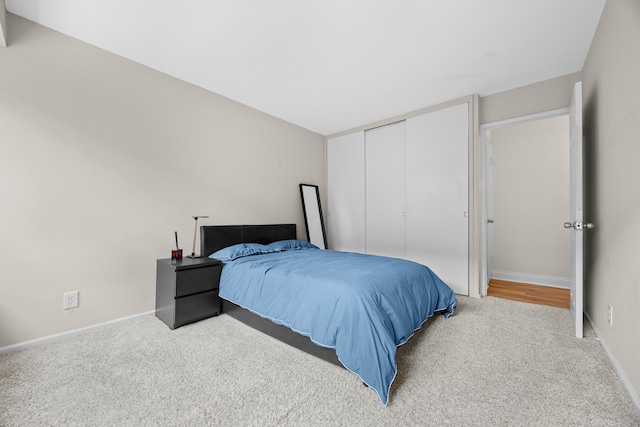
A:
497,362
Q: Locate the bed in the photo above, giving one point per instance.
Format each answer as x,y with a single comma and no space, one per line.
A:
350,309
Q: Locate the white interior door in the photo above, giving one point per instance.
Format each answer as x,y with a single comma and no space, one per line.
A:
385,190
576,213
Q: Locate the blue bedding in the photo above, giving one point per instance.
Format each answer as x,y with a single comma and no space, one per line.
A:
363,306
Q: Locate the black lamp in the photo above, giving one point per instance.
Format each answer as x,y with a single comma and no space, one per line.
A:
195,233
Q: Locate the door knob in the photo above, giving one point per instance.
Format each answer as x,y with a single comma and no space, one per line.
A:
490,221
578,225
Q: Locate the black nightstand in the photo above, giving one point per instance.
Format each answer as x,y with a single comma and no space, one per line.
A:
187,290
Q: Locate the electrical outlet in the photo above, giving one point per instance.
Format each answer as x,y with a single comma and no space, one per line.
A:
70,300
610,316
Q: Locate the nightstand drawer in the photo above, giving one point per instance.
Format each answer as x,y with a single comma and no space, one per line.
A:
196,307
197,280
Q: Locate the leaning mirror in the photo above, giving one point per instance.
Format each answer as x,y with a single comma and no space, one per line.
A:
313,215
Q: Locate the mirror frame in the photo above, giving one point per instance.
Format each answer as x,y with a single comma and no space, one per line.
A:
313,220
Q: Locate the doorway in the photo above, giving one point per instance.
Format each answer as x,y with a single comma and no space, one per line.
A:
525,176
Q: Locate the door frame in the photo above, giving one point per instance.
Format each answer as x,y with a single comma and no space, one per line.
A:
485,185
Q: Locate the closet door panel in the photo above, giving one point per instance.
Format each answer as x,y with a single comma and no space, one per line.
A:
385,190
345,190
437,193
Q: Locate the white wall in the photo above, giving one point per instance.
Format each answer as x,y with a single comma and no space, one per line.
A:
611,91
531,201
102,159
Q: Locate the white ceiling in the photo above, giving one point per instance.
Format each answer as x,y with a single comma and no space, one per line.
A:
332,65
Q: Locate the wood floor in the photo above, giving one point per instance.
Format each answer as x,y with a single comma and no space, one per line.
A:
534,294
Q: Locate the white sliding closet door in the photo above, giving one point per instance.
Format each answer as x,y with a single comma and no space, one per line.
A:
345,189
385,190
437,155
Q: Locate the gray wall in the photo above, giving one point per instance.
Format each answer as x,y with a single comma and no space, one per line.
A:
531,201
541,97
3,25
535,98
611,91
102,159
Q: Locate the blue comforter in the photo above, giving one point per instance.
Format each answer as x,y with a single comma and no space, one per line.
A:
364,306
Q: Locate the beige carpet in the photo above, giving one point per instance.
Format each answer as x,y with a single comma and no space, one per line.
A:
496,362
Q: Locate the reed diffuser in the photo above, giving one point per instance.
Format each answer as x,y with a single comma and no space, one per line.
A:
176,254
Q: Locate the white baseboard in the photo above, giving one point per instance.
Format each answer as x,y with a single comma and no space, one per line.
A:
635,399
534,279
64,335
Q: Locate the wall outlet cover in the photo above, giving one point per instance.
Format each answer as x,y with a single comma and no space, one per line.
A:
70,300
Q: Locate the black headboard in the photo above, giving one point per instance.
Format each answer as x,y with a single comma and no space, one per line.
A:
216,237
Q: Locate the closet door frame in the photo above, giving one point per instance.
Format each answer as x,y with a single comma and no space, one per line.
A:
475,181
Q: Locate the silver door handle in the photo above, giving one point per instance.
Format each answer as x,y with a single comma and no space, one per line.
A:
579,226
490,221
